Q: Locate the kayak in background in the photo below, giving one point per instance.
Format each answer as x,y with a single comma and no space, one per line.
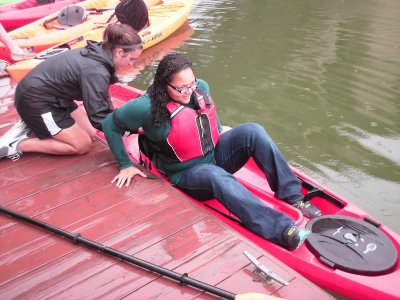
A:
48,32
18,14
164,19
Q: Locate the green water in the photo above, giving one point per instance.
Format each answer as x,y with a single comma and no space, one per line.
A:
322,77
4,2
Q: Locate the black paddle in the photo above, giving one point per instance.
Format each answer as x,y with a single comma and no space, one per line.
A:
183,279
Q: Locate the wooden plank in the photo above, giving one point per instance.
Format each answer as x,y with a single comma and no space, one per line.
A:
290,291
213,266
87,210
121,278
60,194
45,175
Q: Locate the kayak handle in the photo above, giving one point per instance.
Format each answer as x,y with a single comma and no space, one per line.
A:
314,191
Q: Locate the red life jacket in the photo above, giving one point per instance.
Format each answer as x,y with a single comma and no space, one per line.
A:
193,132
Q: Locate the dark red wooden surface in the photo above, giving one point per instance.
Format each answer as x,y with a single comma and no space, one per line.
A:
150,220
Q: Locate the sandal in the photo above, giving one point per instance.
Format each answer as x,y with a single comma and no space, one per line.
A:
22,56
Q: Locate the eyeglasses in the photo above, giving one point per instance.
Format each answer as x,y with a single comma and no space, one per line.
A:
185,89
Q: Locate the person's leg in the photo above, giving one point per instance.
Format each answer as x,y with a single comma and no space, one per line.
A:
16,52
237,145
82,120
8,42
242,142
57,130
207,181
72,140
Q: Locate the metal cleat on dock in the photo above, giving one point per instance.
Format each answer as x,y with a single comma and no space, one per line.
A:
263,272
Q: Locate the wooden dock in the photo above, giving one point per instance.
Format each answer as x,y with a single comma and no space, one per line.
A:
150,220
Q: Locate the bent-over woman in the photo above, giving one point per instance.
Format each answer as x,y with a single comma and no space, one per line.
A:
45,97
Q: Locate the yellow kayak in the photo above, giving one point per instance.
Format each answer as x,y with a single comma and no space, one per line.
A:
164,19
47,32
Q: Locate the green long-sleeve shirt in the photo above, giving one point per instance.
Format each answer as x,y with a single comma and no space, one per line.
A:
137,113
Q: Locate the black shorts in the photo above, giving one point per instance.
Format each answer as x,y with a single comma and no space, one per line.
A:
44,114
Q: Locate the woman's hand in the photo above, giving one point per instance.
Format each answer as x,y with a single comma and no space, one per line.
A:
126,175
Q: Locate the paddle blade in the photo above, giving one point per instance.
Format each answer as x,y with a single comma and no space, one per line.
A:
256,296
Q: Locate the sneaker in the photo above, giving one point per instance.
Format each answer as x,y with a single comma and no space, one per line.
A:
296,236
309,210
25,54
3,65
3,74
10,140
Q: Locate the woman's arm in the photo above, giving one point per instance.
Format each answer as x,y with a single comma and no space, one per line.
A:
132,115
114,135
96,97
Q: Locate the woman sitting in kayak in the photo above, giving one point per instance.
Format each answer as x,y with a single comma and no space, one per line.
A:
183,137
45,97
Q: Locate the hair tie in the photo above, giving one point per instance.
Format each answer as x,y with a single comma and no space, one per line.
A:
130,47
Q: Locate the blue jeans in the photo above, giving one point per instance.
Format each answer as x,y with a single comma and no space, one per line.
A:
215,180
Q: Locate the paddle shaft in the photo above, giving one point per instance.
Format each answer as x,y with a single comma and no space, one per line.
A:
183,279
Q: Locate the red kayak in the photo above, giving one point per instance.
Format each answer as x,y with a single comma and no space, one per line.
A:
348,252
15,15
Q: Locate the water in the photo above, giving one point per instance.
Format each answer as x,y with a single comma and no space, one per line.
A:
322,77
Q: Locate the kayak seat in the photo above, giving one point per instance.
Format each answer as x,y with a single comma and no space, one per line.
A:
41,2
220,209
51,52
71,15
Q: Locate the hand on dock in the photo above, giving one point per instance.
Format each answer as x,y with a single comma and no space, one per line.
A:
125,176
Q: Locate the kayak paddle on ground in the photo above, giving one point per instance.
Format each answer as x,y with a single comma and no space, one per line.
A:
183,279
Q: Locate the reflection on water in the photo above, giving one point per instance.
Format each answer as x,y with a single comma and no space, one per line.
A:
152,55
323,77
384,147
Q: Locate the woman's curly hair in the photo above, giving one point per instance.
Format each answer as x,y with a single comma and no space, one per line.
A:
170,65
